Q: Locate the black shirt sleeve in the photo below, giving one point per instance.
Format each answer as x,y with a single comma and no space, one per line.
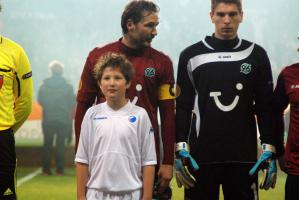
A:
185,101
263,96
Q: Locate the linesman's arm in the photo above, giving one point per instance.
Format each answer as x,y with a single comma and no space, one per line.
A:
23,90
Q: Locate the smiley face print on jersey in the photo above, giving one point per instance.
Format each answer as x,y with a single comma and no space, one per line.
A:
226,108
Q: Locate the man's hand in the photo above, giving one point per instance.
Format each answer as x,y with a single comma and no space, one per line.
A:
165,174
282,164
183,162
267,163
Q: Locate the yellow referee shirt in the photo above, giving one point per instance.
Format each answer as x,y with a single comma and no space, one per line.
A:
16,87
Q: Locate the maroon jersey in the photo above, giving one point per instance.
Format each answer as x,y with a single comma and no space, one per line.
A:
153,69
287,92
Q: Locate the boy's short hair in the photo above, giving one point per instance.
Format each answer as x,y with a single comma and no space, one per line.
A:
115,61
135,10
214,3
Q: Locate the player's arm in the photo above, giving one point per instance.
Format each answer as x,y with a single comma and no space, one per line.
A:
165,173
82,157
263,106
166,99
184,107
23,90
148,181
82,177
263,97
148,154
280,103
85,97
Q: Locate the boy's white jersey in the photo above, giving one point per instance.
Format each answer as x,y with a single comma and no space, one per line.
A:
115,145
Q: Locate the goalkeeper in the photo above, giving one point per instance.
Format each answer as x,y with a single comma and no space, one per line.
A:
229,80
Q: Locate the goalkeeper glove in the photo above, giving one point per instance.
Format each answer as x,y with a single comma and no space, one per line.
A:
182,162
267,163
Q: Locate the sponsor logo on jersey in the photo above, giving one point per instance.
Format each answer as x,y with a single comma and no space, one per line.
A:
28,75
132,119
99,118
226,108
224,56
1,81
294,86
150,72
245,68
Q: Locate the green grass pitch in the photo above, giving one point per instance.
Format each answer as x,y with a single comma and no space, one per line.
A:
64,187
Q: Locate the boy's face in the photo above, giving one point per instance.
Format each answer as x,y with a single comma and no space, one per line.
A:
113,84
142,33
226,18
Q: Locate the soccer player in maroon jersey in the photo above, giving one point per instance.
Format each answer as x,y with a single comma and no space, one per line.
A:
287,92
152,86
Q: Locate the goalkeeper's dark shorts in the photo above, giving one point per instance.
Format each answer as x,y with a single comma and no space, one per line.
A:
7,165
291,187
232,177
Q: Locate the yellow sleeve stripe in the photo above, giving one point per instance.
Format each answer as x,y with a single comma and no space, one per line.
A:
168,91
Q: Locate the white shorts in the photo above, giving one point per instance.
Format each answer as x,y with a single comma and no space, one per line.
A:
93,194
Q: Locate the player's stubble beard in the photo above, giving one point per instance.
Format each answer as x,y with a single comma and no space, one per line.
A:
144,42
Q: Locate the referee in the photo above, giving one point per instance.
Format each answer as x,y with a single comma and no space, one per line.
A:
15,106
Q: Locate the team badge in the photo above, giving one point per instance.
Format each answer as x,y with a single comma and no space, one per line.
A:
150,72
132,119
245,68
1,81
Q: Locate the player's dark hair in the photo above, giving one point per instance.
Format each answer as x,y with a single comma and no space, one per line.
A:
135,11
214,3
115,61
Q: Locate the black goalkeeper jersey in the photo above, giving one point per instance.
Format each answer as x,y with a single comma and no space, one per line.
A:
227,83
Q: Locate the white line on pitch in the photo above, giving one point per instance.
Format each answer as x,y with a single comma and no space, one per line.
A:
29,177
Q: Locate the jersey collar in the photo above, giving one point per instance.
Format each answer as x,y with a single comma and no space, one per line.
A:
218,44
131,51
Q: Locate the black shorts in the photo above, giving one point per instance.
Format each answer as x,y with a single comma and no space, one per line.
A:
291,187
233,177
7,165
